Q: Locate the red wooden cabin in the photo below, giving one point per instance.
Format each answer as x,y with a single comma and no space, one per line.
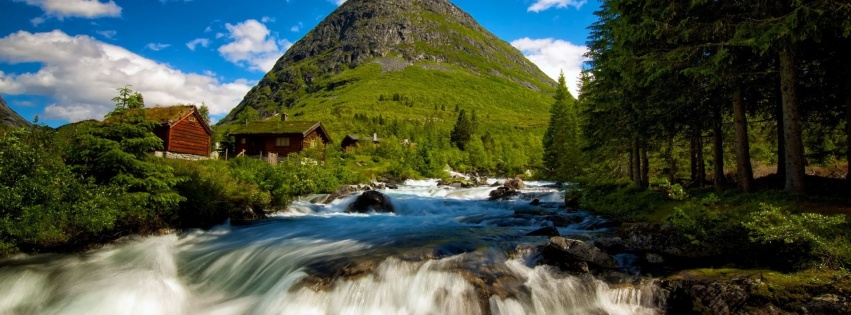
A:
182,129
280,137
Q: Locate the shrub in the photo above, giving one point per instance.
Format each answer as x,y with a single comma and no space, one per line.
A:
825,237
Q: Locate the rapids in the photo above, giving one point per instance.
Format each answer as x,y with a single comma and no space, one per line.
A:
444,251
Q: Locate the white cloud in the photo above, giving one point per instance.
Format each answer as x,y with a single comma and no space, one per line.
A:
554,56
81,74
198,41
543,5
338,2
252,45
75,8
110,34
267,19
157,46
296,27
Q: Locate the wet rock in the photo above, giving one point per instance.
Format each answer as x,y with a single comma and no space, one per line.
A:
547,231
371,201
455,184
535,202
342,191
497,184
829,304
562,221
532,212
653,258
562,251
246,216
503,193
610,244
378,185
323,274
606,224
452,249
514,184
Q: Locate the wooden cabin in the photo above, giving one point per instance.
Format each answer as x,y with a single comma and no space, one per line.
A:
280,137
182,129
354,141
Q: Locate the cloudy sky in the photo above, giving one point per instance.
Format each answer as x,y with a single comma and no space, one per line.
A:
63,59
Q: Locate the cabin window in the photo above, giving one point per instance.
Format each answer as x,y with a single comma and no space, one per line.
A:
282,141
191,118
242,140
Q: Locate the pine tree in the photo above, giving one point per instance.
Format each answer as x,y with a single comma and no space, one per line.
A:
462,132
562,140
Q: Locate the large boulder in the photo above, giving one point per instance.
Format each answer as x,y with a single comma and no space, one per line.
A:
343,191
371,201
546,231
562,251
514,183
503,193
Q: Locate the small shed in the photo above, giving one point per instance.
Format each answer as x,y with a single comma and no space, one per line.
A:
353,141
280,137
182,129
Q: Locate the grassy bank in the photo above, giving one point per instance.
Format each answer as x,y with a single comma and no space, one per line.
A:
779,230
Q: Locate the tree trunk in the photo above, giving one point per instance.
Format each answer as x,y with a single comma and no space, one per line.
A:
744,170
672,173
693,158
791,122
636,161
630,167
718,150
781,150
701,165
645,167
848,121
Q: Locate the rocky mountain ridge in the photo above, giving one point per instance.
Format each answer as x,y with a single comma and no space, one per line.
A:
435,35
9,118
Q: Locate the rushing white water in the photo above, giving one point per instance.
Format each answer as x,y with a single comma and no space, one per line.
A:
444,251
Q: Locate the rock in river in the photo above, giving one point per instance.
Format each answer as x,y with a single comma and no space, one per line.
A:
371,201
561,251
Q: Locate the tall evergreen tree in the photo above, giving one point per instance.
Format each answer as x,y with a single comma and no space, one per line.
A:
462,132
562,140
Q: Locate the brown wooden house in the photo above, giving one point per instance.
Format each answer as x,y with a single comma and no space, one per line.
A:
182,129
280,137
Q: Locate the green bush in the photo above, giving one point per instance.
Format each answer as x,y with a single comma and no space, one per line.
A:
826,237
212,193
45,205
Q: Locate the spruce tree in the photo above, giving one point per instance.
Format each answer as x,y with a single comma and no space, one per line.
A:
462,132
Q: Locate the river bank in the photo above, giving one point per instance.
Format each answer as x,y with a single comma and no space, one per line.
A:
729,253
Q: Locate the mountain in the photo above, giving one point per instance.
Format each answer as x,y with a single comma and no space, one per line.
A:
9,118
404,59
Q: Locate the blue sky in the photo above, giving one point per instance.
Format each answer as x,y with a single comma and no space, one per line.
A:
63,59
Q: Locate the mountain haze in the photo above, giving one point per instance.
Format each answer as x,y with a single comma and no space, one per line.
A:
428,53
9,118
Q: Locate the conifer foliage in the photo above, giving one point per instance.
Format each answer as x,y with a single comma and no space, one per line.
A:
562,140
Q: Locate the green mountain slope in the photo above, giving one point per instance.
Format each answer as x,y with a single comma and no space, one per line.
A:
9,118
402,59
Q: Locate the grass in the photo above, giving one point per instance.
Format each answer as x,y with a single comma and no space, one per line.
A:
505,103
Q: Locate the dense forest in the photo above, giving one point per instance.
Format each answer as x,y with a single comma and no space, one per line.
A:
672,79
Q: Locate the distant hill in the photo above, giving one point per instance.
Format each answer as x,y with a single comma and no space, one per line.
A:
9,118
402,59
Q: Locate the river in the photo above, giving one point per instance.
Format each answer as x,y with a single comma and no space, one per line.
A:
444,251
